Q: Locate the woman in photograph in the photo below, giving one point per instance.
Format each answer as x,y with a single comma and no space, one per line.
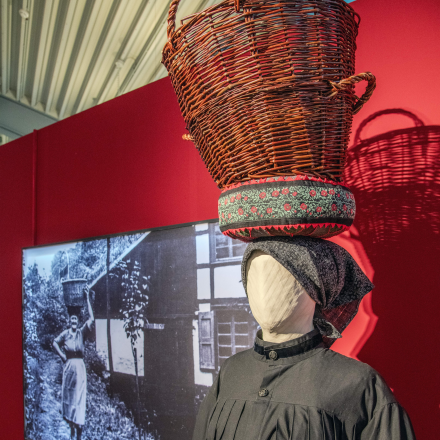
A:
70,347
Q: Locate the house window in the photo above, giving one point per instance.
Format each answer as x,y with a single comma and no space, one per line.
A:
234,334
225,247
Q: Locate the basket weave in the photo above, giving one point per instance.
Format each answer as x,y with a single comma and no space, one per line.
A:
73,292
266,86
396,179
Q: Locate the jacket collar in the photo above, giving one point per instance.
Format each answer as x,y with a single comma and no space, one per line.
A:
288,349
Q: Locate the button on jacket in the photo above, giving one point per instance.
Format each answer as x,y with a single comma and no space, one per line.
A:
299,390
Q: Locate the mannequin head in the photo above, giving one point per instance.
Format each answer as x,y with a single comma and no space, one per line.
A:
278,302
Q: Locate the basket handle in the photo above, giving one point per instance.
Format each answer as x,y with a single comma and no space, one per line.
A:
343,84
171,27
417,121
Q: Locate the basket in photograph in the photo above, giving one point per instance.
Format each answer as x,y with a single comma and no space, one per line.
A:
73,292
266,88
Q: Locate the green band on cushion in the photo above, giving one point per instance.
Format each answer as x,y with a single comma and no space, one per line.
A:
276,202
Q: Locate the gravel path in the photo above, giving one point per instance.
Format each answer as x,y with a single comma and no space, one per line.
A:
50,419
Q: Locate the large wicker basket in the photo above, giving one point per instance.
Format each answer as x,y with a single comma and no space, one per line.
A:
266,89
73,292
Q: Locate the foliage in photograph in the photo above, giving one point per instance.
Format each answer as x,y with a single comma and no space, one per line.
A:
45,316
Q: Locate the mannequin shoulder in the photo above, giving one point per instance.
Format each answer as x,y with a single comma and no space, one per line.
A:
334,359
239,359
350,372
239,364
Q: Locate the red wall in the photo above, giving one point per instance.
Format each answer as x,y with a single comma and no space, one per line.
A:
398,41
123,166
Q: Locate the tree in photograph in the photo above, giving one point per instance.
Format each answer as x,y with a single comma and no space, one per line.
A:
134,306
109,335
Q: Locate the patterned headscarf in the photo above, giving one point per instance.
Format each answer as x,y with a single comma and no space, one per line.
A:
326,271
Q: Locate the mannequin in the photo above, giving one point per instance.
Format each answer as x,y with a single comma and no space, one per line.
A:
278,302
290,386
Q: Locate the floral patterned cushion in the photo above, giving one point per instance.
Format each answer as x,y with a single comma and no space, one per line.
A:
286,205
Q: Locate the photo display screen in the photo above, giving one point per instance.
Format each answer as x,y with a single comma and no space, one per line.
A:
124,335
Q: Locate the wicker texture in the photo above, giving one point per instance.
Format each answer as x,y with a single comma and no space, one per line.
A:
268,90
73,292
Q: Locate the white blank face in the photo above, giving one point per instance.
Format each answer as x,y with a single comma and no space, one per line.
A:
276,298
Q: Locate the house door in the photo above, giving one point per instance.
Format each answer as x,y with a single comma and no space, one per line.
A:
169,390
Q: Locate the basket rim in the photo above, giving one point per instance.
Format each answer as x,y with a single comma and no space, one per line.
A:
200,15
288,179
73,279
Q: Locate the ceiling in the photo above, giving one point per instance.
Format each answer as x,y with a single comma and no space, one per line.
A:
60,57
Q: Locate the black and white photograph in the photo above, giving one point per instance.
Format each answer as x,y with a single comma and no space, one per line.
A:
124,335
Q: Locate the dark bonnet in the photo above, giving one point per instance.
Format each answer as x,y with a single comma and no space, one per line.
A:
326,271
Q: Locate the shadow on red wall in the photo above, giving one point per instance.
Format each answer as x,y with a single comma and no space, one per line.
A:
395,177
361,328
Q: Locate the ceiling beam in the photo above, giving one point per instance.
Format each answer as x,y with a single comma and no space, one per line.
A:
4,139
46,36
120,20
145,69
67,30
91,37
122,60
26,13
17,119
5,18
159,29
